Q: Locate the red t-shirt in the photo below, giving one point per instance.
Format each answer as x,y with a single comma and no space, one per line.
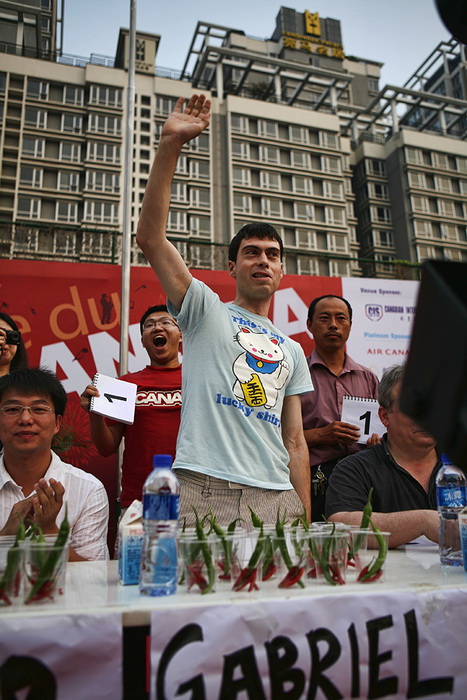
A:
155,428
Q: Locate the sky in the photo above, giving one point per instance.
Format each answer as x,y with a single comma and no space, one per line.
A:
398,33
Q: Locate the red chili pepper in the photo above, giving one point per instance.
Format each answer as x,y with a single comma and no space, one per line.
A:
293,576
247,577
364,571
336,575
270,571
196,577
4,597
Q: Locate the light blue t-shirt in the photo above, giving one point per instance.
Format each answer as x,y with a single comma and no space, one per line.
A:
237,368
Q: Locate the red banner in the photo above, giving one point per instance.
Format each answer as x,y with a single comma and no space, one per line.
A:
69,316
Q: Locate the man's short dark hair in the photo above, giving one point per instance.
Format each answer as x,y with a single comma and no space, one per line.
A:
312,307
36,380
151,310
263,231
390,378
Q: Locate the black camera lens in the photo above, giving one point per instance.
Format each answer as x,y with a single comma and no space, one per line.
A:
13,337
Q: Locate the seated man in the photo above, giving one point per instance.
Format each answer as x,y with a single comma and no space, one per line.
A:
401,470
34,482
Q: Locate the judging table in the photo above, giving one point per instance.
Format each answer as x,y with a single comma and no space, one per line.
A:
405,634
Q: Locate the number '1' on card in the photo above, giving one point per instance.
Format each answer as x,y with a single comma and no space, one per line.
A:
364,413
117,398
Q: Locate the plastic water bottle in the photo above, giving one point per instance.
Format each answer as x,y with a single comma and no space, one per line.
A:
451,495
161,507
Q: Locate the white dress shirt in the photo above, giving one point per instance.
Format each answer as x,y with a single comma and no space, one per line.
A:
88,505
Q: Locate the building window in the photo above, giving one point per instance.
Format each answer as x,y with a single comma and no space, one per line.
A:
200,144
72,123
302,185
30,177
36,118
269,154
73,95
199,197
239,123
269,180
67,181
299,134
332,190
37,89
304,212
306,239
33,148
300,159
241,176
199,169
328,139
385,239
29,208
105,96
242,204
67,211
271,207
177,221
179,192
330,164
200,226
335,215
165,105
267,128
103,152
241,150
101,212
70,152
105,124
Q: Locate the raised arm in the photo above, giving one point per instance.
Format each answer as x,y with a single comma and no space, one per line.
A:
182,126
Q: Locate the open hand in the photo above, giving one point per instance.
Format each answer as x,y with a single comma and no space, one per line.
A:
186,124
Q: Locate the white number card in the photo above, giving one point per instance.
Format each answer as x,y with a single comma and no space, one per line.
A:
364,413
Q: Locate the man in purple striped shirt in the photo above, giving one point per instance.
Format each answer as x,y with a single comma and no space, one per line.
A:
334,375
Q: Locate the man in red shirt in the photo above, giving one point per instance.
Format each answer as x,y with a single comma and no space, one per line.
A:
158,405
334,375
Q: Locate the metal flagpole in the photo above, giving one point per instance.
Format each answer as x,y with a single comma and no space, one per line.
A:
127,190
126,232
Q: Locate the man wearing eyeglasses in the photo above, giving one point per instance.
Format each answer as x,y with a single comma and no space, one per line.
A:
241,439
34,482
158,405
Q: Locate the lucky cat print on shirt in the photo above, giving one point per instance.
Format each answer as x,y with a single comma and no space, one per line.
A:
260,370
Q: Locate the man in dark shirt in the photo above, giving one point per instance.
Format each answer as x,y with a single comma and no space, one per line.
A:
401,470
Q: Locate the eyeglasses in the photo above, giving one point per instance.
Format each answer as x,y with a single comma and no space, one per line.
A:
17,411
162,322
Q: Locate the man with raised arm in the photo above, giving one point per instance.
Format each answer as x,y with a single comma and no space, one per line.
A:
241,439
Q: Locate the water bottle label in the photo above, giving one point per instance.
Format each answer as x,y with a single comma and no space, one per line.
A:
161,506
451,497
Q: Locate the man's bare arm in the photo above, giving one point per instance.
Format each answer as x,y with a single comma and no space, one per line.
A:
404,526
182,126
106,438
295,444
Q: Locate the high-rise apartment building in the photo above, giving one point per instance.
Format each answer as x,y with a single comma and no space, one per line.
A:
354,177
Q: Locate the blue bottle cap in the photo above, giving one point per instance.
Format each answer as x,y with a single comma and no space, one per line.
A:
446,459
162,461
